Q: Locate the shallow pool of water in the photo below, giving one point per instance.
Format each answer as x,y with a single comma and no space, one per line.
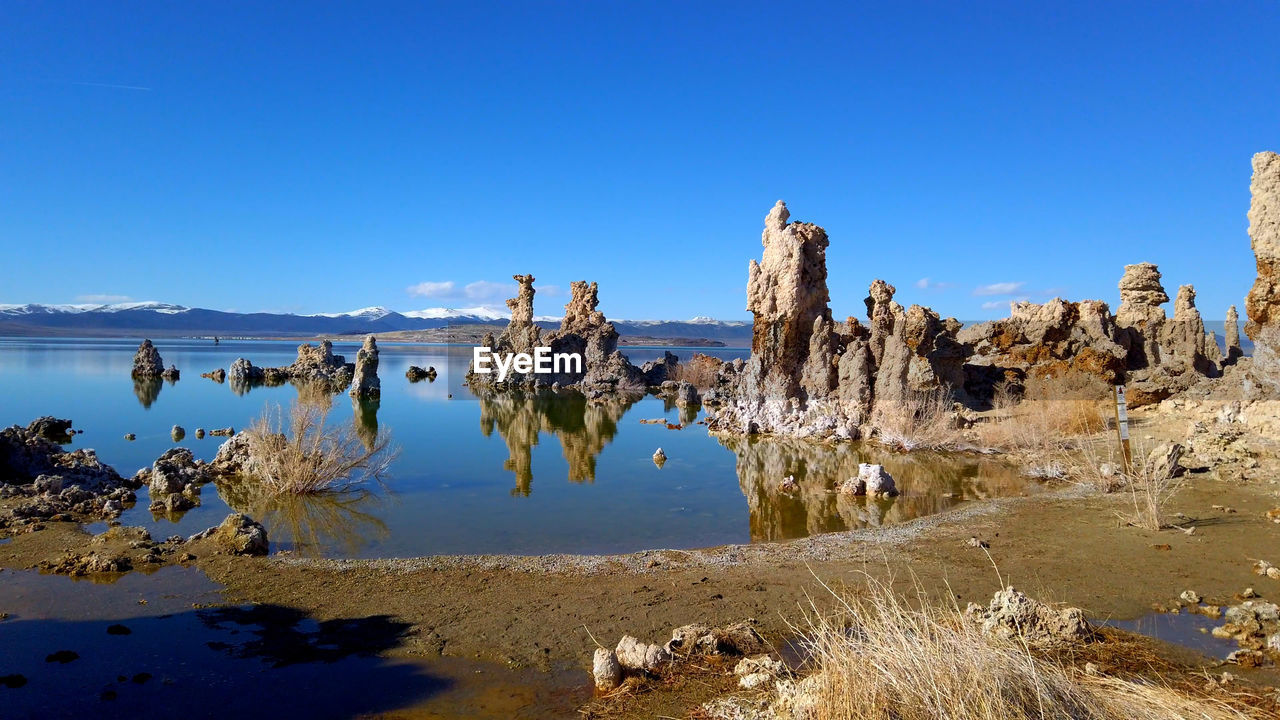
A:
149,645
527,473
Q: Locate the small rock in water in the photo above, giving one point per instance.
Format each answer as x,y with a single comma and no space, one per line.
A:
130,437
1190,597
62,656
199,433
118,629
13,681
177,433
659,457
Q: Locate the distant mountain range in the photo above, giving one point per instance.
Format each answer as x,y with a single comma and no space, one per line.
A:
163,319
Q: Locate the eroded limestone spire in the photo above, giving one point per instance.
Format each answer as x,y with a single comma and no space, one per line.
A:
1263,302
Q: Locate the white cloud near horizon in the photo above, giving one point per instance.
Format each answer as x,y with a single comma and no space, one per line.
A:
925,283
104,298
1001,288
432,289
1003,304
481,293
482,290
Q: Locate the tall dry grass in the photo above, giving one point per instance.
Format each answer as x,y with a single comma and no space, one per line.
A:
1052,412
882,657
311,456
924,421
1149,481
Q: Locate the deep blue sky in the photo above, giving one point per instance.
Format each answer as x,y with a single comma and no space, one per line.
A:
316,157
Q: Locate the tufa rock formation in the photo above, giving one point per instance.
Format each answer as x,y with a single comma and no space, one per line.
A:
584,331
316,367
810,376
147,362
1232,339
1263,302
365,383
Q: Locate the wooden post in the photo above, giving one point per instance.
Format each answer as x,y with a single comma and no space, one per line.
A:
1122,426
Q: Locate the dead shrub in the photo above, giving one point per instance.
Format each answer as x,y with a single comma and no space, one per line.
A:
1051,412
311,457
699,371
926,420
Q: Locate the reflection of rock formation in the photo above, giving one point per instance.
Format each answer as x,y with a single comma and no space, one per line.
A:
928,482
313,524
583,427
147,389
364,416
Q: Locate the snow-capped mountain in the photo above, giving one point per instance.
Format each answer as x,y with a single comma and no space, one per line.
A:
35,308
160,319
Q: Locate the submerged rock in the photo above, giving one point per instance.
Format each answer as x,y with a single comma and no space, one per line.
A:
237,535
872,480
416,374
51,428
659,457
218,375
147,362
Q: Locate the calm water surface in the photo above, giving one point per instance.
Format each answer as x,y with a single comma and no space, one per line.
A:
527,473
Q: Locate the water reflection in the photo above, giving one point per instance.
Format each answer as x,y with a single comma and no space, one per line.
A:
584,427
364,414
928,482
147,390
314,524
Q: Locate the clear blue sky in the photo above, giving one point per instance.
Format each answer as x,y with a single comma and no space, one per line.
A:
316,157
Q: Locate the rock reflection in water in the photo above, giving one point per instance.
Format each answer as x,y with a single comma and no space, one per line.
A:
312,524
583,427
147,389
364,414
929,483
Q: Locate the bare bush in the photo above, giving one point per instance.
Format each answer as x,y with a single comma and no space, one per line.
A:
311,457
1054,411
881,657
699,371
926,420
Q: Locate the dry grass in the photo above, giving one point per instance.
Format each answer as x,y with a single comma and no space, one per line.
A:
699,371
925,421
310,456
881,657
1148,481
1053,412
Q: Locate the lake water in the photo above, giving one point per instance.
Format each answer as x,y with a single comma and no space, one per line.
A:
526,473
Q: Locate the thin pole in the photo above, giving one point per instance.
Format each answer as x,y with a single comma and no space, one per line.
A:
1122,426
